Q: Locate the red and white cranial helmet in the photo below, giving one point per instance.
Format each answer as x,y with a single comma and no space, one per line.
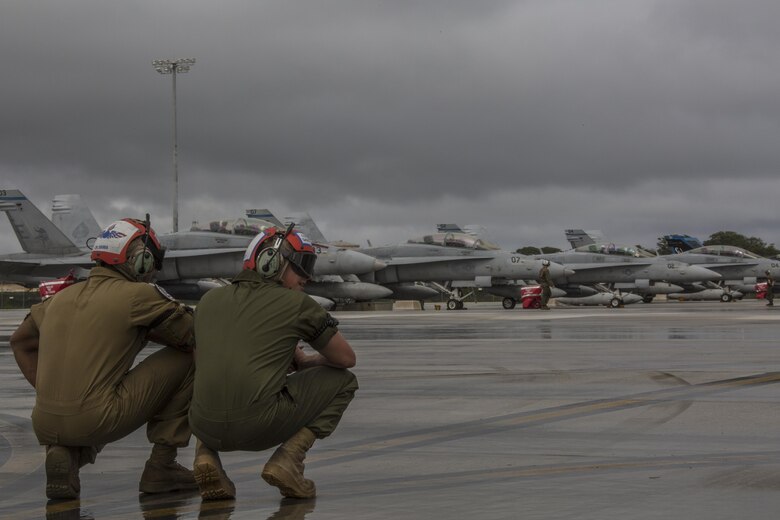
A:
296,249
112,244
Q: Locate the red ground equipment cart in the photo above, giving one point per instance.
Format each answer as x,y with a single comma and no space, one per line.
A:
52,287
531,295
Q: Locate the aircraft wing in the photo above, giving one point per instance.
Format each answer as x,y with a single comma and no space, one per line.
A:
729,265
606,265
411,260
186,253
76,261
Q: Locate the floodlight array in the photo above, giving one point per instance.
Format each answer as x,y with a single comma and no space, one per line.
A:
169,66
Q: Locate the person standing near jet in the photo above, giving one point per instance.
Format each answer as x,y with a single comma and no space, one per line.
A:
546,282
245,396
77,350
770,289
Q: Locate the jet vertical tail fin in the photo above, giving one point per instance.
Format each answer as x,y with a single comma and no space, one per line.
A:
449,228
305,224
36,233
580,237
264,214
72,216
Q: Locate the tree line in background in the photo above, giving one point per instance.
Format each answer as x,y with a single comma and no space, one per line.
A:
719,238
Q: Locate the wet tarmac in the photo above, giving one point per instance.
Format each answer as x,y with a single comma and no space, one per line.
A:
667,410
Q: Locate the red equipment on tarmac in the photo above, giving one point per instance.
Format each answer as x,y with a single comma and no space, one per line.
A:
531,295
760,291
52,287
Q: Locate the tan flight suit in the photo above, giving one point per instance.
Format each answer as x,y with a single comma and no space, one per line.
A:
243,398
89,336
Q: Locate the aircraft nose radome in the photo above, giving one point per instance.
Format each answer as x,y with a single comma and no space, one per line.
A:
702,273
558,271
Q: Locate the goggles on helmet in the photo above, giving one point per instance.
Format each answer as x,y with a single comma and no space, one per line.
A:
302,263
296,249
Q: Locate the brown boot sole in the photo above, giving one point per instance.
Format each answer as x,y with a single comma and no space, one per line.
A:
213,483
165,487
59,482
278,476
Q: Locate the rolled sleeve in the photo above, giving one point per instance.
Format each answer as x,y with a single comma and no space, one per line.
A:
318,327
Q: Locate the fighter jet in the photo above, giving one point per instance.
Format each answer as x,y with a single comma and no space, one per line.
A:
195,260
739,269
457,260
338,286
627,268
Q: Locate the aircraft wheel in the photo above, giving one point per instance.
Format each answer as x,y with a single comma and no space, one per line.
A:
615,303
509,303
452,304
648,298
460,305
725,297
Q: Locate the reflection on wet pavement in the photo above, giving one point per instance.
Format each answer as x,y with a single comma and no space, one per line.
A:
659,411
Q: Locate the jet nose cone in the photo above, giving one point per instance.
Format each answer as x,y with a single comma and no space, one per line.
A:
703,274
559,271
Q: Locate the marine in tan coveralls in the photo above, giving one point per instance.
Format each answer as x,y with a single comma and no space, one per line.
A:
546,282
77,349
248,336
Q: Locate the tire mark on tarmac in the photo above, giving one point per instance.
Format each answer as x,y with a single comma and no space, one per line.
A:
387,444
436,435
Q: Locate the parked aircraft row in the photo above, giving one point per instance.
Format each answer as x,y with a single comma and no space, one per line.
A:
450,261
739,270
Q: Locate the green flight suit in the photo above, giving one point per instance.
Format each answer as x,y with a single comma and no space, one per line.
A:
87,393
546,282
243,397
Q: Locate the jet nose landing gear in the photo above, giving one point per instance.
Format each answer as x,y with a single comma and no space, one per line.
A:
454,305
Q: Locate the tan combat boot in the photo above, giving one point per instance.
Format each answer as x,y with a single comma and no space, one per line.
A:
285,467
212,480
62,472
162,474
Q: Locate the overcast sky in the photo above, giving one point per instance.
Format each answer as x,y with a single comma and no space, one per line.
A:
383,118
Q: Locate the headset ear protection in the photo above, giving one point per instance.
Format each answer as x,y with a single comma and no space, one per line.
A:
269,261
144,260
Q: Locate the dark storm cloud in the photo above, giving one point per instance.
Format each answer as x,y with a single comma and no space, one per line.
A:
388,116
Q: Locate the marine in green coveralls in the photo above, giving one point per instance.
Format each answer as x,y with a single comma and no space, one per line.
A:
255,388
77,350
770,289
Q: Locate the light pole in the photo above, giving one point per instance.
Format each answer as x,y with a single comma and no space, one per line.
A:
173,67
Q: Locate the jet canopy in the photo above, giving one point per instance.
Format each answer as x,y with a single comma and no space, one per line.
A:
461,240
236,226
614,249
732,251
